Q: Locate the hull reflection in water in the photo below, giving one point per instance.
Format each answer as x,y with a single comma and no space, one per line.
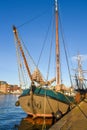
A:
30,123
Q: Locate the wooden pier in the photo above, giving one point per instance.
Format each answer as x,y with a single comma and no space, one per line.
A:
76,119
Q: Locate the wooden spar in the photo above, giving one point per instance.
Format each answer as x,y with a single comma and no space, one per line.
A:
22,52
26,64
57,47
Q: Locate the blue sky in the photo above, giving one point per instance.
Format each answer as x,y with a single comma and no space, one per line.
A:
16,12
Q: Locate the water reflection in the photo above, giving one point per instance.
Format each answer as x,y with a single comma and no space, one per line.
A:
29,124
25,125
9,113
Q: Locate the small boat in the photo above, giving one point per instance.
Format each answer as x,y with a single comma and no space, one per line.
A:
41,98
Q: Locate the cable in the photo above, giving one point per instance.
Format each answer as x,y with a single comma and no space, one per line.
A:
65,51
34,18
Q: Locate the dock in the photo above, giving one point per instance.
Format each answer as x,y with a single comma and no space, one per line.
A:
76,119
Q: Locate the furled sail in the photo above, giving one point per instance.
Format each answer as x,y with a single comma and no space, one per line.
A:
36,76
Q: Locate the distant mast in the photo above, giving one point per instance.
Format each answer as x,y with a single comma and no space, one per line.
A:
80,71
57,47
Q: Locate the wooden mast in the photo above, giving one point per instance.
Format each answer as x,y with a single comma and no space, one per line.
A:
57,47
22,52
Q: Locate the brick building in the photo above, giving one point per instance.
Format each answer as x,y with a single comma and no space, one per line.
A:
7,88
14,89
3,87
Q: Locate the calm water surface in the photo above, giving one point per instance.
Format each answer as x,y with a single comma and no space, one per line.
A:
12,117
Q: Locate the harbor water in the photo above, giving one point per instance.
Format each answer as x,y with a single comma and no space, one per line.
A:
12,117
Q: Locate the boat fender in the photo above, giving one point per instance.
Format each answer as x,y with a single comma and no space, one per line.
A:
58,114
17,103
78,97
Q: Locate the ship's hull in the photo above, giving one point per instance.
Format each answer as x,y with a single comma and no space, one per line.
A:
43,105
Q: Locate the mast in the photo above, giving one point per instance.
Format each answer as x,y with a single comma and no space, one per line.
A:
22,52
80,71
57,47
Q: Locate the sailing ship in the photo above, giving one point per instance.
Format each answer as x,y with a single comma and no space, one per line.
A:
81,81
39,100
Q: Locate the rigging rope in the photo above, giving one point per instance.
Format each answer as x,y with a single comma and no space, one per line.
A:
19,65
82,111
31,62
44,123
27,51
34,18
44,42
50,52
65,51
